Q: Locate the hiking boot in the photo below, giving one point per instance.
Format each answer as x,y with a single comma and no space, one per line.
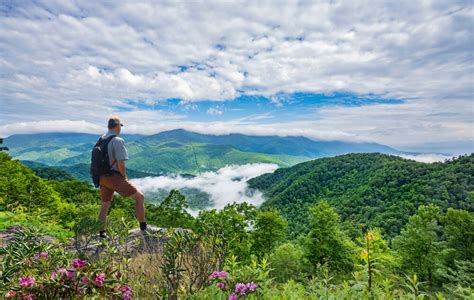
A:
147,232
103,236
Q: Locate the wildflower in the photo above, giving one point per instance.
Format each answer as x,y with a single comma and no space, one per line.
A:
27,281
118,275
27,296
240,288
233,296
85,280
126,295
54,275
251,286
42,255
215,274
69,274
10,294
99,279
78,263
220,285
126,291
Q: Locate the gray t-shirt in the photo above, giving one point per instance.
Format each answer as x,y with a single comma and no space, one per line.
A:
116,149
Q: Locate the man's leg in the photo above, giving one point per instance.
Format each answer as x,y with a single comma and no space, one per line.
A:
139,207
104,210
127,190
106,195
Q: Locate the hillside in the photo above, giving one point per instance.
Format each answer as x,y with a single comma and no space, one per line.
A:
372,189
180,151
239,242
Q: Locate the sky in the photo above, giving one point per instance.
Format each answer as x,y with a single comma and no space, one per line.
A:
399,73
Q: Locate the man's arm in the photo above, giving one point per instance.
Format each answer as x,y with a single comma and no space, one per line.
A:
121,167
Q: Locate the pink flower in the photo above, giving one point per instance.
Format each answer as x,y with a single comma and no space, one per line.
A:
27,281
27,296
78,263
240,288
252,286
69,274
42,255
126,291
85,280
126,295
99,279
220,285
233,296
217,274
10,294
61,271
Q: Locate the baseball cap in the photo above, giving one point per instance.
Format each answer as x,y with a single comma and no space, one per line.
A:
114,121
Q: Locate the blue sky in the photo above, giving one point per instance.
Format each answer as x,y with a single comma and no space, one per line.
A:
397,73
285,107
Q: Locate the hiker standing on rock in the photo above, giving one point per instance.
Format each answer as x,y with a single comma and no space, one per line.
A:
108,171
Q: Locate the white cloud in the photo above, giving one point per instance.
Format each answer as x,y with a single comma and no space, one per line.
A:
83,60
427,158
227,185
49,126
213,111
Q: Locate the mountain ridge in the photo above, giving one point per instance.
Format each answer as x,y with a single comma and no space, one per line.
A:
381,188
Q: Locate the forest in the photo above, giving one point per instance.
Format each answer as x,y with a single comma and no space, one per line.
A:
357,226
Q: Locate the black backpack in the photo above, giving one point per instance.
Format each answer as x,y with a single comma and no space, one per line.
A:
100,163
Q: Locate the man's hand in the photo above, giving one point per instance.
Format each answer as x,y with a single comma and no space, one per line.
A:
121,168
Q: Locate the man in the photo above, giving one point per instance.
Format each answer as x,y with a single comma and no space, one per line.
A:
118,181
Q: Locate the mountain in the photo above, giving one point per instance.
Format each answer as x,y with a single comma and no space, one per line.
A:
181,151
372,189
292,145
52,148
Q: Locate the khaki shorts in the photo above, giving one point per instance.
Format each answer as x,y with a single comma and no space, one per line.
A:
115,183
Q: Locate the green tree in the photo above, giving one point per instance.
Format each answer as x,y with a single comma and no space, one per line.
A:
459,232
375,256
287,261
327,244
231,226
2,148
418,245
172,212
269,229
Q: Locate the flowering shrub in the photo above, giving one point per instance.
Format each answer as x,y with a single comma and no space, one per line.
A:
239,291
78,279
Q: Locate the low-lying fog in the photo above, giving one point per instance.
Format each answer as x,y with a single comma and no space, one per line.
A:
226,185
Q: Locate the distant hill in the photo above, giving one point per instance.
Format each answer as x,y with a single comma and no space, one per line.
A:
292,145
180,151
78,171
372,189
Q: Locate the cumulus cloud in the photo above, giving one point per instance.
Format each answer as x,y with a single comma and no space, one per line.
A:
227,185
81,60
50,126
